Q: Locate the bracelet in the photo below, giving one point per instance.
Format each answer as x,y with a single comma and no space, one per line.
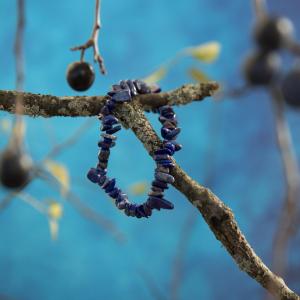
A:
120,93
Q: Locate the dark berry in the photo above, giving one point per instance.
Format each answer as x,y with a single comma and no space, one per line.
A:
15,168
261,68
80,76
271,33
291,88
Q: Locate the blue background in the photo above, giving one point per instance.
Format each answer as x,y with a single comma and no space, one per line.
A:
137,36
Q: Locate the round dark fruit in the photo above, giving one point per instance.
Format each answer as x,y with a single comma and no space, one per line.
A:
15,168
291,88
272,33
80,76
261,68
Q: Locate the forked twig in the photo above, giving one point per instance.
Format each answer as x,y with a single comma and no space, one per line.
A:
93,41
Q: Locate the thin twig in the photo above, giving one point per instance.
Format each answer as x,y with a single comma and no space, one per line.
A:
290,208
151,285
93,40
260,8
178,266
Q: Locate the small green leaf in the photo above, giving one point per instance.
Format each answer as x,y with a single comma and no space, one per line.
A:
207,52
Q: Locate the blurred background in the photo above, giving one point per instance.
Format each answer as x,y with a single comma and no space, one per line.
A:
236,136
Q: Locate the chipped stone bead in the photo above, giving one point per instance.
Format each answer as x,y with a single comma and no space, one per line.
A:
165,163
105,111
110,120
160,184
158,203
109,136
161,157
132,87
102,180
110,186
110,104
105,145
114,129
162,169
114,193
93,175
102,165
156,194
103,155
142,87
164,177
105,127
122,96
170,134
116,87
147,209
157,189
169,146
164,151
177,146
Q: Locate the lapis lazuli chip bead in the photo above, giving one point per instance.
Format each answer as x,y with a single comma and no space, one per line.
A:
114,129
122,96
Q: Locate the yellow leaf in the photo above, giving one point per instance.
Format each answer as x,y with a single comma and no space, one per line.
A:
5,125
55,210
156,76
60,172
198,75
54,227
138,188
207,52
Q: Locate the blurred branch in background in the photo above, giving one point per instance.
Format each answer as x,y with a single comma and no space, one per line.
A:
288,218
93,40
39,172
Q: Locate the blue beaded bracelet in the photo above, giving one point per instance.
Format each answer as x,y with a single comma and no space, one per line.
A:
120,93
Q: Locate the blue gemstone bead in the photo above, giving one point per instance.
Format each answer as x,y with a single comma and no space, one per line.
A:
160,184
114,129
110,120
109,185
114,193
176,145
110,104
169,134
116,87
106,146
158,203
165,163
105,110
132,87
93,175
105,127
169,146
102,180
163,151
147,209
160,157
142,87
164,177
122,96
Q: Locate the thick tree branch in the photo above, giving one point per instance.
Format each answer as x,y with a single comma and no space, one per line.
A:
216,214
52,106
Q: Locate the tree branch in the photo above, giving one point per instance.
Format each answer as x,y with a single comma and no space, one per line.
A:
216,214
52,106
